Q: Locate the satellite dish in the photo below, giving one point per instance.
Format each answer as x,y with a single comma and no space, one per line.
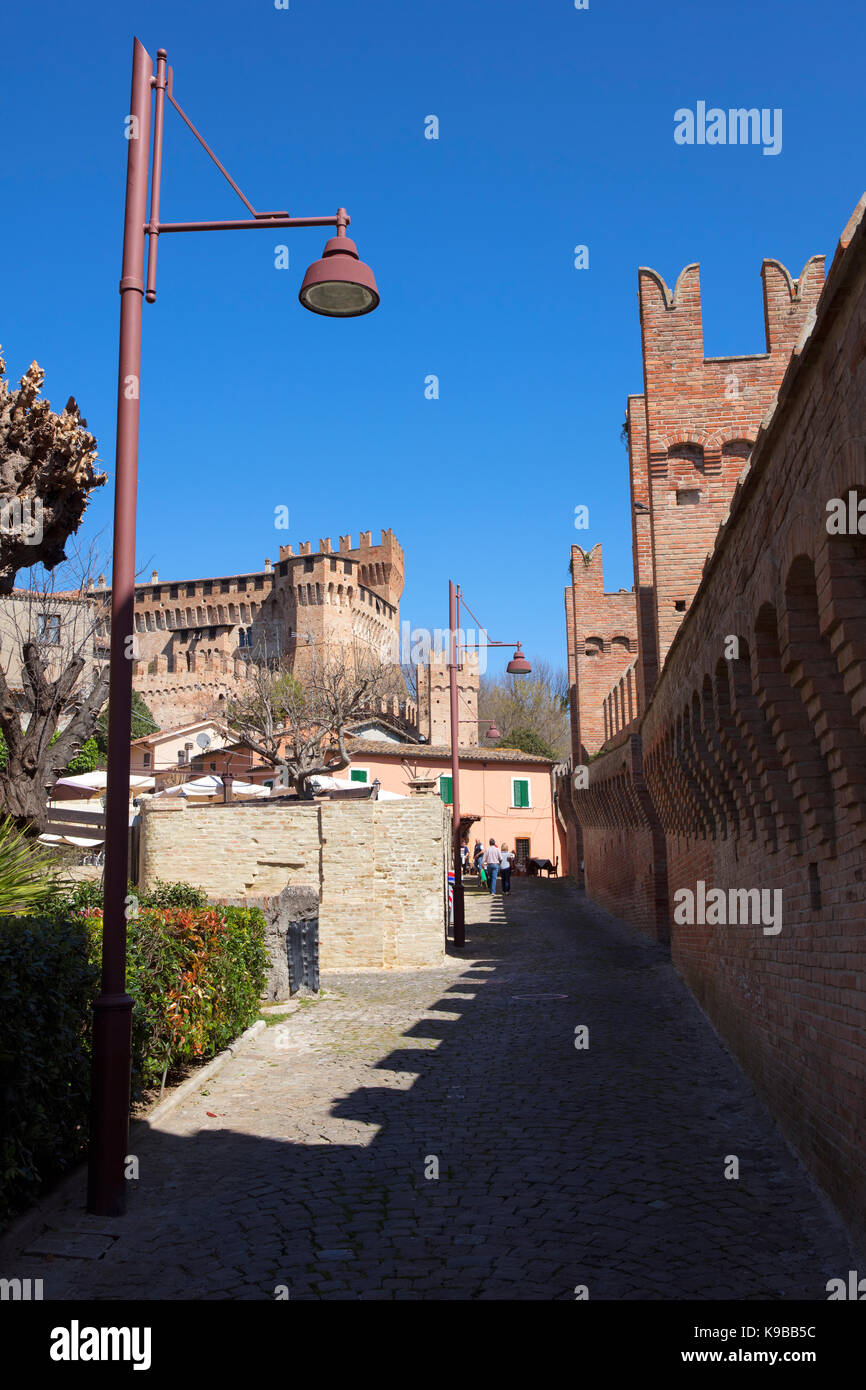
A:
203,740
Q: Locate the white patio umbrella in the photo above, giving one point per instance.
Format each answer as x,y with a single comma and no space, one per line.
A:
92,784
210,787
346,784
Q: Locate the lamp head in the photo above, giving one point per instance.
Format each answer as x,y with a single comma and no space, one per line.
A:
340,285
518,665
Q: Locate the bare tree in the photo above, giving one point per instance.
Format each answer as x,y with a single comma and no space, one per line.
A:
47,473
299,721
52,681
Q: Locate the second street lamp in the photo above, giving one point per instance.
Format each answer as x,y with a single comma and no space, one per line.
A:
338,285
517,666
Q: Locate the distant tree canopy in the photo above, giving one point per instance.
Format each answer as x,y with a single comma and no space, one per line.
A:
528,741
525,708
143,723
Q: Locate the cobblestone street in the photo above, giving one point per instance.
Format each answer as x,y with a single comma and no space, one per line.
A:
306,1165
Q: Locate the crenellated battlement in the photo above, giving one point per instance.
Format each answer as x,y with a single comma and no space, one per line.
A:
672,320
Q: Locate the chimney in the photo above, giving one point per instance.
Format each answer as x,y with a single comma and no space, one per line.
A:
267,566
101,581
154,576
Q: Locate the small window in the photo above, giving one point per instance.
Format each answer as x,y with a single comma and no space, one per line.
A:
308,566
181,758
446,790
211,632
224,586
172,593
48,630
333,564
259,583
519,793
242,586
688,496
284,567
213,767
680,605
207,588
147,760
358,774
190,591
347,566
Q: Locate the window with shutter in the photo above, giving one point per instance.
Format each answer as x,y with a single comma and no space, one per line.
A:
519,793
445,790
358,774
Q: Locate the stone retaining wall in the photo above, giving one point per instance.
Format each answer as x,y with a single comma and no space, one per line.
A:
378,867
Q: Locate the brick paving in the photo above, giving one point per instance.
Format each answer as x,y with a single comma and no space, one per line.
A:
557,1167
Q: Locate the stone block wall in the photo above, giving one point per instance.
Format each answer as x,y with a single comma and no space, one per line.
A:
378,867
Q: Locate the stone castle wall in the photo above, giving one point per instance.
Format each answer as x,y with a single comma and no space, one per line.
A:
195,636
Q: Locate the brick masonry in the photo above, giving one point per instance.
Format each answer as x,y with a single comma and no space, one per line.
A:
195,637
746,768
378,867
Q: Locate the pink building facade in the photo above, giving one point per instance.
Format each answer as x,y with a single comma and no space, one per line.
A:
504,794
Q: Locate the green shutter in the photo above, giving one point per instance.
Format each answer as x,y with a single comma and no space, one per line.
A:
358,774
445,785
521,794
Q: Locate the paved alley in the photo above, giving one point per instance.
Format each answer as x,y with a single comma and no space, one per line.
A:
310,1162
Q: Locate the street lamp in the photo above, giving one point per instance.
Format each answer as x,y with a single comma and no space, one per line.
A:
339,286
518,666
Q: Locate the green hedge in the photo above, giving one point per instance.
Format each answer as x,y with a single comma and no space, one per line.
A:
195,974
48,981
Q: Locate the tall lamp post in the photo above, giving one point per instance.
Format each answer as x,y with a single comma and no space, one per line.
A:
338,285
517,666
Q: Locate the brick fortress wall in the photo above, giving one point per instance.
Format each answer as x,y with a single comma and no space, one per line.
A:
746,769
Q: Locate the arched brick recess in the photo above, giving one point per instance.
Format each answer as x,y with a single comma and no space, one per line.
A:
804,764
808,660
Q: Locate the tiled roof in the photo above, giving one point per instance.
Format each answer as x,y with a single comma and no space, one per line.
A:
421,752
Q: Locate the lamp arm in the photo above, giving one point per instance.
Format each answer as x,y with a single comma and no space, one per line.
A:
163,82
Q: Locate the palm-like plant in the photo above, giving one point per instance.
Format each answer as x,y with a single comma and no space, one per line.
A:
29,879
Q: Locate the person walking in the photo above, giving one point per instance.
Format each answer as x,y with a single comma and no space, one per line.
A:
491,861
477,855
506,857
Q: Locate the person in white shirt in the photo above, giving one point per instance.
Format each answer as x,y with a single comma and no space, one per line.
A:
492,860
506,859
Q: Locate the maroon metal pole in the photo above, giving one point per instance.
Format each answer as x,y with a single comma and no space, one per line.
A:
112,1015
459,906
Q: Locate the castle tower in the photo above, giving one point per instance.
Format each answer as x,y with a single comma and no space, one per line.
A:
434,700
701,418
602,644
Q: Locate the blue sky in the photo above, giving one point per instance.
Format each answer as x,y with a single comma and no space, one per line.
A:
556,129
